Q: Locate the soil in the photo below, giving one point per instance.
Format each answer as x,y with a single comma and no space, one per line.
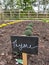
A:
39,29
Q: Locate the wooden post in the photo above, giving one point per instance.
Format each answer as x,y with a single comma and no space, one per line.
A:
28,14
3,16
24,57
10,15
19,14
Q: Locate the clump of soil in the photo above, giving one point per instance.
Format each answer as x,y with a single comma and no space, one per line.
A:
40,29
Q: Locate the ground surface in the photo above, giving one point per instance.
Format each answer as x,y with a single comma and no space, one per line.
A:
40,29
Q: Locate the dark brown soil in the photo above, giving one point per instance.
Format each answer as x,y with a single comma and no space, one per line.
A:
40,29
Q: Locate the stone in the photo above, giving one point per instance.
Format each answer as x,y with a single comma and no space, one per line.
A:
3,54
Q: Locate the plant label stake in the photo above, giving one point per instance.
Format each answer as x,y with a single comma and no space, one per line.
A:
24,57
25,45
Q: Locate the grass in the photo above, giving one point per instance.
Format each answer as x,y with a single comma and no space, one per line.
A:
45,20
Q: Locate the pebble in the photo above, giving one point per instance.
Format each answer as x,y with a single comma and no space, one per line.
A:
2,54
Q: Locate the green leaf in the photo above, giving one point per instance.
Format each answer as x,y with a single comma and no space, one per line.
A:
19,61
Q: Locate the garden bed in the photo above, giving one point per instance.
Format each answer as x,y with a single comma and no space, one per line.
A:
39,29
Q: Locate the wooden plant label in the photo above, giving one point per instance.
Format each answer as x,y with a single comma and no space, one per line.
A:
25,45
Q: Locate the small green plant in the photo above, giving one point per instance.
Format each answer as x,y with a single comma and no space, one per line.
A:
29,27
47,21
28,32
30,24
44,20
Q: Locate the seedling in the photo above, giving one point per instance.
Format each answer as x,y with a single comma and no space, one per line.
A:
29,27
28,32
30,24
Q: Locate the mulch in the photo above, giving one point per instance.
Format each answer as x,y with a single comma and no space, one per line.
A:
39,29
